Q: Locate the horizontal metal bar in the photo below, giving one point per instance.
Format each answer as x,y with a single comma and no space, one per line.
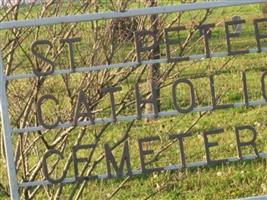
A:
77,70
123,14
255,198
122,65
139,172
133,117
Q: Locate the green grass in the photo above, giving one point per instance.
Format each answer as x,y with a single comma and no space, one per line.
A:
222,181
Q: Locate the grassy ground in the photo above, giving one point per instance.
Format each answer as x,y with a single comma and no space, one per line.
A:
223,181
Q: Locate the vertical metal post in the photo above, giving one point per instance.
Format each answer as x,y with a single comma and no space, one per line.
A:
11,169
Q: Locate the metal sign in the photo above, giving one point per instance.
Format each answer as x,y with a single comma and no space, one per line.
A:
8,131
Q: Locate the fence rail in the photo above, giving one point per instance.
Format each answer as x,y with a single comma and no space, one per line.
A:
124,14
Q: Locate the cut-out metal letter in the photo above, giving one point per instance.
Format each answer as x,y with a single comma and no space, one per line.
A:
214,98
39,111
111,91
252,142
77,160
125,159
258,35
143,153
192,96
211,144
45,166
180,138
230,35
37,54
70,42
205,31
169,42
138,35
82,100
139,100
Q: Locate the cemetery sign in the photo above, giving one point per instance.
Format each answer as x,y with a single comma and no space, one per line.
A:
140,48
